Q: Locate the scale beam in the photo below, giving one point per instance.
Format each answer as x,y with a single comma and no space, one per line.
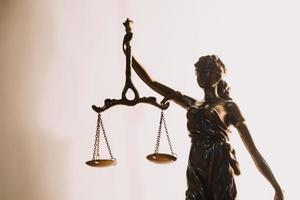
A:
128,83
112,102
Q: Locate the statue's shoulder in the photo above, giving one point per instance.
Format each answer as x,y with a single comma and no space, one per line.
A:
233,112
230,105
199,103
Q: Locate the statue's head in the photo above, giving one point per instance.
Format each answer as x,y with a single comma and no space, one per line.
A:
209,71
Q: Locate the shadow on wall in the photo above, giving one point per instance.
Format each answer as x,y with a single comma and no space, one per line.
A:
32,159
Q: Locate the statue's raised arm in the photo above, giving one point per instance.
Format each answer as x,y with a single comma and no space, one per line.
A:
177,97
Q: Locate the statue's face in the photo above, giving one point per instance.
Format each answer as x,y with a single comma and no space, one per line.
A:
209,76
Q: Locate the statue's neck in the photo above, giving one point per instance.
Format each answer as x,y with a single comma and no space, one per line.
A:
211,94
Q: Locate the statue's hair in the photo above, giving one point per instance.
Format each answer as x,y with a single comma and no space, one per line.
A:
208,62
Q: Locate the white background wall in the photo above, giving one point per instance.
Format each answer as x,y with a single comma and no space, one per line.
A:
58,57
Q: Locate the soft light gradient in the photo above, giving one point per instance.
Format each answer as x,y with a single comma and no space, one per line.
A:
58,57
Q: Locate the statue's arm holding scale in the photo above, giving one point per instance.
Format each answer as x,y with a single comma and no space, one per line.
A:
183,100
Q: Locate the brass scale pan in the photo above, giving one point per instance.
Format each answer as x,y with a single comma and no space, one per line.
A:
101,162
161,158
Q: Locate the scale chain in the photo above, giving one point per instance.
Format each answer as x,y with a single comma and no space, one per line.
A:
96,155
105,137
159,133
167,133
163,122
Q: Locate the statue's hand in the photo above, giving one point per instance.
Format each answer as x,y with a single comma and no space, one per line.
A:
279,195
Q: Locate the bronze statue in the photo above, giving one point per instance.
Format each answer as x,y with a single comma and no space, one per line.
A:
212,163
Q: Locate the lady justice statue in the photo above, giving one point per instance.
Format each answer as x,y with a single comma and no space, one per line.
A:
212,162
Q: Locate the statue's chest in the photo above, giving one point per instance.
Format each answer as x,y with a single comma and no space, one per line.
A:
205,116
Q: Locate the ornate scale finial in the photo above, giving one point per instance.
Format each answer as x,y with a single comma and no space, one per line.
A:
128,25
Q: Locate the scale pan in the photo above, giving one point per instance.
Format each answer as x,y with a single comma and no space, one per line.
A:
101,163
161,158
